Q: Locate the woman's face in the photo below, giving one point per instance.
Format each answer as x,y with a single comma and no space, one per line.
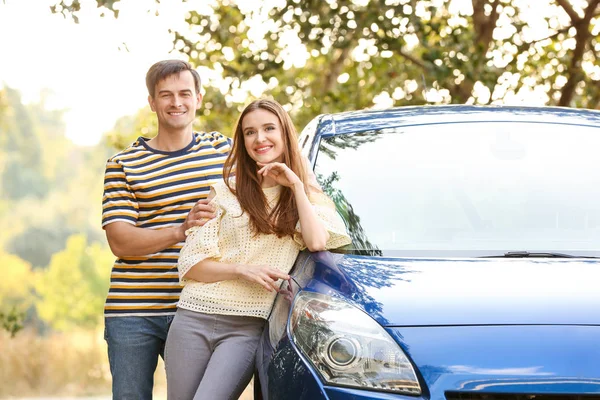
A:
263,137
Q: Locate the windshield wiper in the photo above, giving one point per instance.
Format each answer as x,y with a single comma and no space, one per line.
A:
534,254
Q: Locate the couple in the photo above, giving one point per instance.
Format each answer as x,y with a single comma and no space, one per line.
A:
247,208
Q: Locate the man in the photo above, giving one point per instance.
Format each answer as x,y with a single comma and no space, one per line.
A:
153,193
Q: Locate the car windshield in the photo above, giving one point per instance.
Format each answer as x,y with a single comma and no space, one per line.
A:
466,189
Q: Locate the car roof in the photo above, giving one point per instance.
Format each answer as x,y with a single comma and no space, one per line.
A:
360,121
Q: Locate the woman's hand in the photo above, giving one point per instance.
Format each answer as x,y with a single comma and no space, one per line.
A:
280,173
264,275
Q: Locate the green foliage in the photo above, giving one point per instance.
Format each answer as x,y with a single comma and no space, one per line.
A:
128,129
326,56
15,292
144,123
49,189
12,321
36,244
71,7
16,283
414,51
22,169
73,287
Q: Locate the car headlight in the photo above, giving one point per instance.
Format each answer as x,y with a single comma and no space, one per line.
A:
347,347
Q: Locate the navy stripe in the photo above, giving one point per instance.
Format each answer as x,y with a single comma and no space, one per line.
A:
139,152
125,301
198,172
174,213
141,311
145,280
169,250
141,289
124,263
116,189
120,179
118,217
146,189
177,160
179,202
122,270
131,171
164,196
223,144
160,223
117,198
118,208
114,169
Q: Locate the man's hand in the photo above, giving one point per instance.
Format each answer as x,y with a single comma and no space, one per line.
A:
200,214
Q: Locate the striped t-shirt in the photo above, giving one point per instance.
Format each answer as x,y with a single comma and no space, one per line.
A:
156,189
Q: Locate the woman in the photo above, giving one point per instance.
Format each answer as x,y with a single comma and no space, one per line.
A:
233,266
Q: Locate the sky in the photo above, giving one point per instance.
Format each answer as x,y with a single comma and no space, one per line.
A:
85,67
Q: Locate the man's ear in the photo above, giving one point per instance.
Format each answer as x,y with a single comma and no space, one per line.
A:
199,98
151,102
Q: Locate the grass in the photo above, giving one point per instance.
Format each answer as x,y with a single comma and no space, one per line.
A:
61,365
58,364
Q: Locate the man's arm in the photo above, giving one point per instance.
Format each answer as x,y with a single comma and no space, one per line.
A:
126,240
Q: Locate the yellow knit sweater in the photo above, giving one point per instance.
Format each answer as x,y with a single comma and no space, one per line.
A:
228,238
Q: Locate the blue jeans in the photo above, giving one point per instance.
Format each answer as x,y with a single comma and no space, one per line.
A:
134,344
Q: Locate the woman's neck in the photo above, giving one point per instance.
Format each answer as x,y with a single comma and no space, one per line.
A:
267,182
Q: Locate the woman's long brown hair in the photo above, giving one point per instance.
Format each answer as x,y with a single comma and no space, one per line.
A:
283,217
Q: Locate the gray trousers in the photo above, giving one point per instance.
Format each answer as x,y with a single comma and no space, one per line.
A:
210,356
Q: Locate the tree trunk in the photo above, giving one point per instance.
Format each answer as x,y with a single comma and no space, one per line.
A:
582,25
484,29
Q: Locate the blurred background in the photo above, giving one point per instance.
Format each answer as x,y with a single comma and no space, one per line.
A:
72,93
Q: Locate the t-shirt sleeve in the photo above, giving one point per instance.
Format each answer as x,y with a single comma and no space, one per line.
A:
331,220
202,242
118,201
221,143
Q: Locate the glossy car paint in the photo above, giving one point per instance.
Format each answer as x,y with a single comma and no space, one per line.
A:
476,291
470,325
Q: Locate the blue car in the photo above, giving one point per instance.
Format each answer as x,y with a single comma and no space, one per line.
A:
474,271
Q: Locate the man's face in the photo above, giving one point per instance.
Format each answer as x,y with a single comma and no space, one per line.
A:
175,102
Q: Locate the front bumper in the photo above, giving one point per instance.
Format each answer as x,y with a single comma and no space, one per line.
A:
508,361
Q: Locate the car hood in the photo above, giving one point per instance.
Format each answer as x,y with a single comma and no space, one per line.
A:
442,292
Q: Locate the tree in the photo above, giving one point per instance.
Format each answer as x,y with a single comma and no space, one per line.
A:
15,292
322,56
73,288
49,189
22,169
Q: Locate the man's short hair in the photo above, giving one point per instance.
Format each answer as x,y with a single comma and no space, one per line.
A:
163,69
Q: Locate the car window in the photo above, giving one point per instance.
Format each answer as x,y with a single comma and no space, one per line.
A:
306,137
466,188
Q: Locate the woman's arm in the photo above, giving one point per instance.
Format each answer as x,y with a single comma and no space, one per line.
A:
314,234
210,271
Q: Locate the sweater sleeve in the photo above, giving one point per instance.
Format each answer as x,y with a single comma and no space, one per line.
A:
331,220
202,242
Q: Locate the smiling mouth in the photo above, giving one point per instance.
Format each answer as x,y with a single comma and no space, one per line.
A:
176,113
264,149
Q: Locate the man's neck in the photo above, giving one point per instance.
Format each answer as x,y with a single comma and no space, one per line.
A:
171,141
